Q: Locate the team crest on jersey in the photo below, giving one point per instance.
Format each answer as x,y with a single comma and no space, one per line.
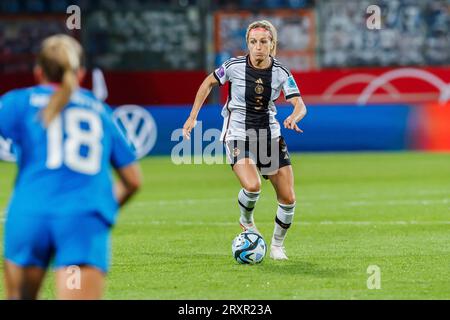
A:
236,152
259,89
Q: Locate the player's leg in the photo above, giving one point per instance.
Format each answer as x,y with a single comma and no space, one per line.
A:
22,283
79,283
82,255
246,171
247,174
28,250
283,183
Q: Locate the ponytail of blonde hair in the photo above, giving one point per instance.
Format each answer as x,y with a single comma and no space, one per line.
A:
269,27
60,59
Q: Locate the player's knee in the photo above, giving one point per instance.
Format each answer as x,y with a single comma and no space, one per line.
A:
288,199
253,186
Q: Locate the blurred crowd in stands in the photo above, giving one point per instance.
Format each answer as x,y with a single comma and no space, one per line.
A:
20,6
412,33
179,34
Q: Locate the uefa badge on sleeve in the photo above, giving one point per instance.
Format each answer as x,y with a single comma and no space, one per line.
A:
291,83
220,72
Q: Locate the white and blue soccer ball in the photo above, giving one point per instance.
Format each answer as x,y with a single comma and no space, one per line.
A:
249,248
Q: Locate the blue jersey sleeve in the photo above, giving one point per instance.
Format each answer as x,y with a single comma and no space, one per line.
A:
10,118
122,154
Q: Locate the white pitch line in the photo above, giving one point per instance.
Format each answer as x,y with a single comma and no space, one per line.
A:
179,201
397,202
355,223
224,224
421,202
187,202
368,195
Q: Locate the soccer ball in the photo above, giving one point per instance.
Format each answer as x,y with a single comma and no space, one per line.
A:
249,248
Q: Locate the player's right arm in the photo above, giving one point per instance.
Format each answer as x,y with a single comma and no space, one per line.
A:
124,162
202,94
130,180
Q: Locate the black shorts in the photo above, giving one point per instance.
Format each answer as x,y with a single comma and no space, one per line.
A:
269,155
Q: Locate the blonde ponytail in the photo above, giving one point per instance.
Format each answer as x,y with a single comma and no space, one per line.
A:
269,27
60,58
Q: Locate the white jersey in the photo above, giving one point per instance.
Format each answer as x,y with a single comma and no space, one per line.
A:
252,92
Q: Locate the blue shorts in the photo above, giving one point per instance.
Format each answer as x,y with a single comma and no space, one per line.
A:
72,240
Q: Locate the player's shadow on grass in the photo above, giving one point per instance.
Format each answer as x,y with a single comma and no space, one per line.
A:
289,267
301,268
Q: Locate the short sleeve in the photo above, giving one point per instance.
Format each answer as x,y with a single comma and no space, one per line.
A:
290,88
122,154
221,73
10,116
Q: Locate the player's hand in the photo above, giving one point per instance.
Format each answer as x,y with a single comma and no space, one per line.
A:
188,126
289,123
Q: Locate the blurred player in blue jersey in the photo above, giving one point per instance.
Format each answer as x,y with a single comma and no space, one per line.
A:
64,201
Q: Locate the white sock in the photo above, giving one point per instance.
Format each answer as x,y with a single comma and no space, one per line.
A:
247,201
283,220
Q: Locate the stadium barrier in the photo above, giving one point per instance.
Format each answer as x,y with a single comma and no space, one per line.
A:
432,127
156,130
345,86
326,128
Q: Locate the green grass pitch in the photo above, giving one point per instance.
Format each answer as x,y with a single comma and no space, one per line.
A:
392,210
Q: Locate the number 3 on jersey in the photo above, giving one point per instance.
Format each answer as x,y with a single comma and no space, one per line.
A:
69,151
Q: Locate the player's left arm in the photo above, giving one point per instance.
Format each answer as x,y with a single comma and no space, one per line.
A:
298,114
10,115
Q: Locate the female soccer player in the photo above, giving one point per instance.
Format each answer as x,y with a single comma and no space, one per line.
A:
64,203
251,133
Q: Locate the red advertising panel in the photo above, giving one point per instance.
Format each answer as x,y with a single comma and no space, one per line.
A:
432,127
373,85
